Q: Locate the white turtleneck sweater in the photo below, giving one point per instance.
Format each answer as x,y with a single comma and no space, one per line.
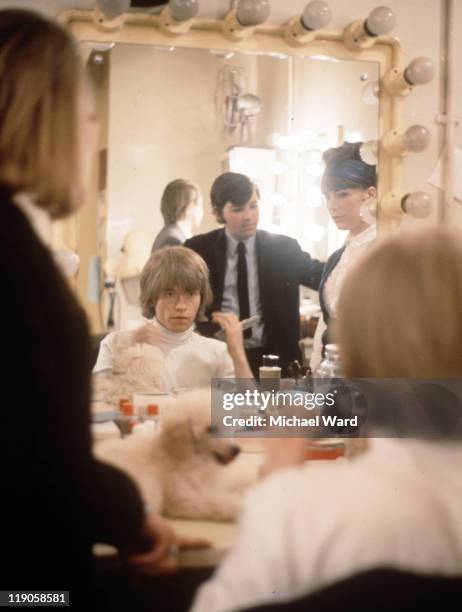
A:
191,360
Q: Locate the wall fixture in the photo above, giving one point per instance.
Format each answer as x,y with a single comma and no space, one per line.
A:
302,29
363,34
416,204
176,18
414,140
400,83
110,14
241,21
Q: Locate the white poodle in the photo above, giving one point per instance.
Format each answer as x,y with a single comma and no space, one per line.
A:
135,369
182,468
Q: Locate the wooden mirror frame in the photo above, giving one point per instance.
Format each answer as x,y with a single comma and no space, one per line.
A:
82,232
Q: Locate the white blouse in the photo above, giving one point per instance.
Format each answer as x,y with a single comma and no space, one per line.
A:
191,360
354,248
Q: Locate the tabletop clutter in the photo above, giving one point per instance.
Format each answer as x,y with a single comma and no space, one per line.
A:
141,412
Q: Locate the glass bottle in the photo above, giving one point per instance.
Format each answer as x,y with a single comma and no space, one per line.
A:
331,365
270,373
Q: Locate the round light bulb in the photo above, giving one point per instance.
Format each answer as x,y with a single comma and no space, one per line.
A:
277,199
417,204
283,142
316,14
182,10
420,71
416,138
313,196
98,59
252,12
314,155
315,169
113,8
315,232
279,167
368,152
380,21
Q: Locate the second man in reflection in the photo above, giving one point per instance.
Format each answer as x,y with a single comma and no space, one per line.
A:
182,209
254,272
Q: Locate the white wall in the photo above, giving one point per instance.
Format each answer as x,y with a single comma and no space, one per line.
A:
455,212
162,126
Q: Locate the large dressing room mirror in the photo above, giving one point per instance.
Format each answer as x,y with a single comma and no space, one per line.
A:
194,113
194,103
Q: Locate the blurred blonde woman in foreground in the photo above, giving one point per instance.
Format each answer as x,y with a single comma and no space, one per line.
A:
57,500
396,506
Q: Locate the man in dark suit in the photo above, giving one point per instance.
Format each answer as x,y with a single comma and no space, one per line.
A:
253,272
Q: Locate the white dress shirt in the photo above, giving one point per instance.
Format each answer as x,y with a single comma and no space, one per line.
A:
398,505
230,302
191,360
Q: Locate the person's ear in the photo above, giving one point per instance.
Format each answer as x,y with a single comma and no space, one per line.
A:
217,214
371,192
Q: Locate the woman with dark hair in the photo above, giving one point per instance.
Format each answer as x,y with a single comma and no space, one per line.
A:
348,182
57,500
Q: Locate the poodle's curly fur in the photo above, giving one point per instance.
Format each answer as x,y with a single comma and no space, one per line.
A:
181,469
135,369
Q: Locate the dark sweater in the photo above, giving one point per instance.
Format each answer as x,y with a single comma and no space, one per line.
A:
56,498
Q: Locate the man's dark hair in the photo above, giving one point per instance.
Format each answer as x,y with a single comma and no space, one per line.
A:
230,187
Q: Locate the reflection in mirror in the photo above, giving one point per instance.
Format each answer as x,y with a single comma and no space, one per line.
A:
194,113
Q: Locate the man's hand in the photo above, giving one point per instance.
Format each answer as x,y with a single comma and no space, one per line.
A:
162,559
233,332
235,342
146,334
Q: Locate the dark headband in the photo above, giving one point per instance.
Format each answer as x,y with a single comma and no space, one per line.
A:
352,170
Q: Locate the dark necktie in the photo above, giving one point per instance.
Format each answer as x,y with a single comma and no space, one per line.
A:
243,287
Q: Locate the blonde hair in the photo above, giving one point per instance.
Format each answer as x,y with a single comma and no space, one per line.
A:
399,312
41,75
176,198
174,268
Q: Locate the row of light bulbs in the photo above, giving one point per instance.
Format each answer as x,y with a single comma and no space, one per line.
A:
177,17
416,204
239,24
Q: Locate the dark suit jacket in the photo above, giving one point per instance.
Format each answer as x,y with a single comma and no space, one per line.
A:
282,267
330,265
56,498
